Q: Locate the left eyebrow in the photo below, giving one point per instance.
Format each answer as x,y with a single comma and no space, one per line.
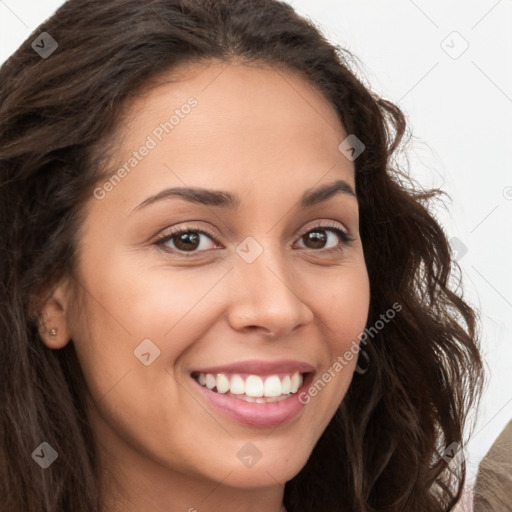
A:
314,196
224,199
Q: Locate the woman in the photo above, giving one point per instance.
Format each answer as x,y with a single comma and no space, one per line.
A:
218,290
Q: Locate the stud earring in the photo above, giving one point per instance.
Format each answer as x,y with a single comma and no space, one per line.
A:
52,332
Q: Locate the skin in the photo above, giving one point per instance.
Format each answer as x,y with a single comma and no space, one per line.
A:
266,136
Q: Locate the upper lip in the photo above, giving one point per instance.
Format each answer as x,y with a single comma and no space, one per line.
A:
256,367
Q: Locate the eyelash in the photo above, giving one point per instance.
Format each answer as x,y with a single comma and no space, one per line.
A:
161,241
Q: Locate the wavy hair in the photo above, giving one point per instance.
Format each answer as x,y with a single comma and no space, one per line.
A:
384,449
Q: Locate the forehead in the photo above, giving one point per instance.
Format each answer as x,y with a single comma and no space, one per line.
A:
228,124
245,103
243,82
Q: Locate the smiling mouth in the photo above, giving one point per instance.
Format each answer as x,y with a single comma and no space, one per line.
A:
253,388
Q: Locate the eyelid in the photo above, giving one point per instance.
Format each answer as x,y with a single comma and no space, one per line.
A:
332,225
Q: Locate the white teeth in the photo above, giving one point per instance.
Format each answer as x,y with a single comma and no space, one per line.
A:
237,385
296,382
222,383
263,400
254,388
272,386
286,385
277,398
211,382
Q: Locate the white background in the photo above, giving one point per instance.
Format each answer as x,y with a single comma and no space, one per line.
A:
459,107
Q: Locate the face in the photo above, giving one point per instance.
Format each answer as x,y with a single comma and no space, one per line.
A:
254,284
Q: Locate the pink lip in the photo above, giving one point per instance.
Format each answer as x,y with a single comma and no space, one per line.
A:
256,415
256,367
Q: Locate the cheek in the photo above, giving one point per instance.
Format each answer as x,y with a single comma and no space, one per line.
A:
144,404
127,304
154,300
341,301
349,312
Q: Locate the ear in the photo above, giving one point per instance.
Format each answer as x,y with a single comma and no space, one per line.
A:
53,322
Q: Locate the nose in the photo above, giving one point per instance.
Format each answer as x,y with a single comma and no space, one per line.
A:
265,297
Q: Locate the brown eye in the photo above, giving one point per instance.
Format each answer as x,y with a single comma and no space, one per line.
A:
318,238
186,241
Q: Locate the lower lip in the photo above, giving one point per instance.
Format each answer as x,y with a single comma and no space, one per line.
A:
269,414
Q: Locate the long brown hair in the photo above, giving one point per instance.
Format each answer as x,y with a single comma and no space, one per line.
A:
384,448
